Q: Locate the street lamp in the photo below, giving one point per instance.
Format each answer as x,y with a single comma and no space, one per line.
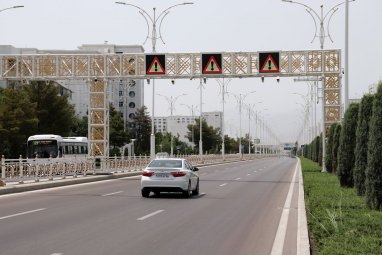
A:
250,109
224,85
171,101
13,7
154,36
240,100
191,108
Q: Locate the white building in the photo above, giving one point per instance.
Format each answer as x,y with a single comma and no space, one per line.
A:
125,95
177,125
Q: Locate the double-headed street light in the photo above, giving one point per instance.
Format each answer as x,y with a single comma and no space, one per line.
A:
154,19
171,101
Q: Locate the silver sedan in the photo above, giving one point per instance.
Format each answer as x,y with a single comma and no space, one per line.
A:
170,175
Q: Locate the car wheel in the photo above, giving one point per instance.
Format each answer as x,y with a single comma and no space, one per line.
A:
187,193
196,191
145,192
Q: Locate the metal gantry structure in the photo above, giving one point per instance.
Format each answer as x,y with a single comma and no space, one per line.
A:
100,69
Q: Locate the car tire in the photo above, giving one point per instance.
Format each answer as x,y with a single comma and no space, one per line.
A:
196,191
145,192
187,193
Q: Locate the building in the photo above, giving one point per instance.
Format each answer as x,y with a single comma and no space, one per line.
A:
177,125
125,95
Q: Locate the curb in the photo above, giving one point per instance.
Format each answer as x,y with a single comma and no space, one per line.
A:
303,246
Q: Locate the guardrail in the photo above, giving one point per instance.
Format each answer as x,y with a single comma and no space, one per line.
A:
20,170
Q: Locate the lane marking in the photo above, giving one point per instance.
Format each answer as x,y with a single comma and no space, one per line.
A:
202,194
255,171
248,174
237,179
22,213
150,215
221,185
278,243
110,194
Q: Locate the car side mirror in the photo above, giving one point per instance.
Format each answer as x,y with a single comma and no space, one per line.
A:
195,169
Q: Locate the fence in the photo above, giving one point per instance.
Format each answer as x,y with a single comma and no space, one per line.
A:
20,170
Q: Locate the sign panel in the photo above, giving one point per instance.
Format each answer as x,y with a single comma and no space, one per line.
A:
269,62
155,64
212,63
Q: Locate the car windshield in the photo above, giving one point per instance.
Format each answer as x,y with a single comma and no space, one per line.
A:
171,163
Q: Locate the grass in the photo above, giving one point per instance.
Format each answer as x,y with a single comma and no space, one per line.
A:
339,221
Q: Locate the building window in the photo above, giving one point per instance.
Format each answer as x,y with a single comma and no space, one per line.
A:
121,93
132,105
131,83
131,115
132,94
120,103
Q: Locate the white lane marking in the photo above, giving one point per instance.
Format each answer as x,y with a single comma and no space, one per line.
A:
255,171
237,179
22,213
150,215
248,174
278,243
109,194
57,254
221,185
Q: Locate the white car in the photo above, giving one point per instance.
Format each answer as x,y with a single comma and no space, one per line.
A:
170,175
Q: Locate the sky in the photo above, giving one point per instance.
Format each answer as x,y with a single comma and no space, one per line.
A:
211,26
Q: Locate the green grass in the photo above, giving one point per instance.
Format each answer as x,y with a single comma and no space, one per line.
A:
339,221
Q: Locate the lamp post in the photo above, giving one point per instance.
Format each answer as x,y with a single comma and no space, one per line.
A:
154,19
224,85
12,7
191,108
240,100
171,101
250,109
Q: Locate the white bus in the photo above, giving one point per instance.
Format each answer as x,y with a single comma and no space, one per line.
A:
55,146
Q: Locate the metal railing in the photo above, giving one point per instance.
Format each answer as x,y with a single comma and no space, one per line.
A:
21,170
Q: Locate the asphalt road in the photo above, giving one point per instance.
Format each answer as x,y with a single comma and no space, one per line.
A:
238,212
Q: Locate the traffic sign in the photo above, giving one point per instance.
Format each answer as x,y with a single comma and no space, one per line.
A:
269,62
155,64
212,63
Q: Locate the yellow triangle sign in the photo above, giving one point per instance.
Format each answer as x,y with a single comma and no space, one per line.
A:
269,65
212,66
156,67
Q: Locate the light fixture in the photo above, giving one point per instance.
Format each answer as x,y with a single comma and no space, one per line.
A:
172,81
262,78
278,78
148,81
204,80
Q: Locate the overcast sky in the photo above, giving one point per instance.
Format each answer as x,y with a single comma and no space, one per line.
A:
209,26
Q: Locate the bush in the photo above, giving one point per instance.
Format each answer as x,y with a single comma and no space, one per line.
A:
362,132
336,144
347,147
374,155
329,148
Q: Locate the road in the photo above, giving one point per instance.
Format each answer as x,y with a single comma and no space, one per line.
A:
237,213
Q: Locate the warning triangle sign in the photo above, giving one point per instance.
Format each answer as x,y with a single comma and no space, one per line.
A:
269,66
212,66
156,67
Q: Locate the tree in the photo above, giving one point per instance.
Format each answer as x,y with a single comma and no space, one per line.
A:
18,121
118,136
329,148
79,126
362,133
374,155
211,136
54,112
336,145
141,130
347,146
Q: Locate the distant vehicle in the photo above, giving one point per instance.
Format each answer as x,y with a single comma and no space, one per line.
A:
55,146
162,155
170,175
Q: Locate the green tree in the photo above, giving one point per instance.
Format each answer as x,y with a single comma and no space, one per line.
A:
141,130
118,136
319,156
336,145
17,121
347,146
79,126
231,145
211,136
329,148
362,133
374,155
54,112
